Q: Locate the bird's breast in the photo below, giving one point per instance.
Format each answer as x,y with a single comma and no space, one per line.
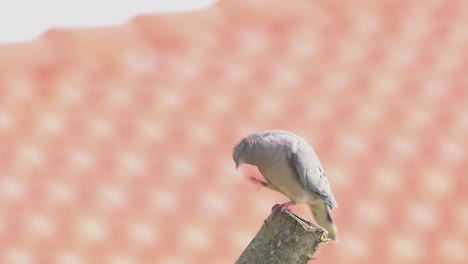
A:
280,174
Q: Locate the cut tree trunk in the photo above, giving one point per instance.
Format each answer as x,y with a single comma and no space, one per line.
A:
284,238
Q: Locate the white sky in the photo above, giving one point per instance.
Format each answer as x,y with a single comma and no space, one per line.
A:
22,20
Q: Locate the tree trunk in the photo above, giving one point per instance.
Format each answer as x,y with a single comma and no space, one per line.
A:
283,238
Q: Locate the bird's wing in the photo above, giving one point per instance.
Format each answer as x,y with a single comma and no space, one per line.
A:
308,169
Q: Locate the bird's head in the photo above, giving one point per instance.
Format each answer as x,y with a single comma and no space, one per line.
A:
239,155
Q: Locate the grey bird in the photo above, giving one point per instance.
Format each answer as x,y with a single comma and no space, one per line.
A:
290,166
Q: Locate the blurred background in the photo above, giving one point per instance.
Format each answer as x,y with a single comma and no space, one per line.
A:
116,143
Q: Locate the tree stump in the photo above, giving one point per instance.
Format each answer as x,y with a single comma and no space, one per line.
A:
284,238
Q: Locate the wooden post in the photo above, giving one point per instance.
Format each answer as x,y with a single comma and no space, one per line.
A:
283,238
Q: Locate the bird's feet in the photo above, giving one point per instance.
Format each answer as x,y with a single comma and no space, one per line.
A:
277,208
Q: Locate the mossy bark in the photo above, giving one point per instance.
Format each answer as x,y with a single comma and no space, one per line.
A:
283,238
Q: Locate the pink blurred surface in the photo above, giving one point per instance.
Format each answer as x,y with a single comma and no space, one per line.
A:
116,143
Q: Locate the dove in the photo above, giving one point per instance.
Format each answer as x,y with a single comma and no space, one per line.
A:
290,166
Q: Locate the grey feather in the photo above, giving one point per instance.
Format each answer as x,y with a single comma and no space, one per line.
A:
323,217
312,176
306,165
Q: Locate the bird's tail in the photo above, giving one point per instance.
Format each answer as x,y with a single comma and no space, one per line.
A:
322,215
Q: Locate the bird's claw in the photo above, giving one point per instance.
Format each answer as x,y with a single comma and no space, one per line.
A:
277,208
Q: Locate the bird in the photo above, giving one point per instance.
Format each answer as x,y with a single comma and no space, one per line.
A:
290,166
